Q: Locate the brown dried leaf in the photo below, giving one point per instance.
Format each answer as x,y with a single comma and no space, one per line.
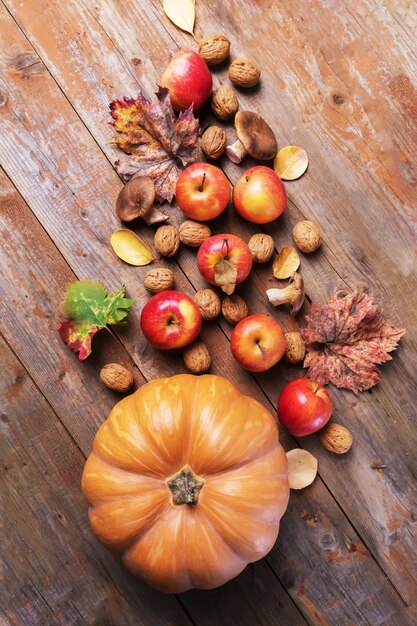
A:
155,141
286,263
225,275
346,339
291,162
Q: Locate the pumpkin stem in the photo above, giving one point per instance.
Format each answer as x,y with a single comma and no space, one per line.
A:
185,487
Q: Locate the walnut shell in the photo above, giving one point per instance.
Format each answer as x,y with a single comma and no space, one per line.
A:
224,103
193,233
213,142
167,240
336,438
197,358
209,304
244,73
306,236
294,348
214,49
234,308
159,279
262,247
116,377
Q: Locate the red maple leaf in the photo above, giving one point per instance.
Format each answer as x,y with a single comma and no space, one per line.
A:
346,339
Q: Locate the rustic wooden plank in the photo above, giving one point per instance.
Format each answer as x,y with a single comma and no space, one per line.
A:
123,31
241,376
34,304
53,570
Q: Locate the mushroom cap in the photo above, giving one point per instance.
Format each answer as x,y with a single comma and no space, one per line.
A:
135,199
256,135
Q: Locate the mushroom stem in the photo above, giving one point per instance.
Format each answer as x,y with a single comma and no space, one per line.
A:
293,294
154,216
236,151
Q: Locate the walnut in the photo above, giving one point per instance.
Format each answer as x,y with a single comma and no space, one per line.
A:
209,304
214,49
167,240
306,236
193,233
116,377
336,438
294,347
244,73
224,103
234,308
197,358
213,142
262,247
159,279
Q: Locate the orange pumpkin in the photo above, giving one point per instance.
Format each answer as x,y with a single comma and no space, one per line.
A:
188,481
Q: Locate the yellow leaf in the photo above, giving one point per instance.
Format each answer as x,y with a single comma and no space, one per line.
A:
291,162
181,13
130,248
286,263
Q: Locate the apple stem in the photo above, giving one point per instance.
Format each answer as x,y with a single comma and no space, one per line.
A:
202,182
225,245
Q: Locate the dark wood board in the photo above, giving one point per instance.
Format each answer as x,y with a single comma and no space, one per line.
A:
338,80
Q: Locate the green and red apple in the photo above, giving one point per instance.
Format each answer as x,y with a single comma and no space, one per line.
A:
258,342
170,319
188,79
259,195
304,407
202,192
225,261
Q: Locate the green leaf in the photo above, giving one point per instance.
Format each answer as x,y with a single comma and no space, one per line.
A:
88,308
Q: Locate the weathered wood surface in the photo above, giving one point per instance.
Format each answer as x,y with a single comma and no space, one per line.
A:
337,80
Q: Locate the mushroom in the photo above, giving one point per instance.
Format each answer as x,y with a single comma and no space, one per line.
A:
293,294
135,199
254,137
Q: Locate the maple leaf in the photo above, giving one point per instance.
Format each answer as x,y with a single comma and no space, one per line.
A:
88,308
157,143
346,339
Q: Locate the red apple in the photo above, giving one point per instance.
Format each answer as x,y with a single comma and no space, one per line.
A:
202,192
170,319
188,79
224,260
258,342
259,195
304,407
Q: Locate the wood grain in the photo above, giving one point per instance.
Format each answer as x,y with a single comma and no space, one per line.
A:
342,86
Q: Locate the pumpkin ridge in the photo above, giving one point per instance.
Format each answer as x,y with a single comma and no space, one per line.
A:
209,522
152,519
219,516
158,473
158,481
247,461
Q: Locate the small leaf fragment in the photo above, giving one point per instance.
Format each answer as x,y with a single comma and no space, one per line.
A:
291,162
181,13
225,275
286,263
302,468
88,308
130,248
